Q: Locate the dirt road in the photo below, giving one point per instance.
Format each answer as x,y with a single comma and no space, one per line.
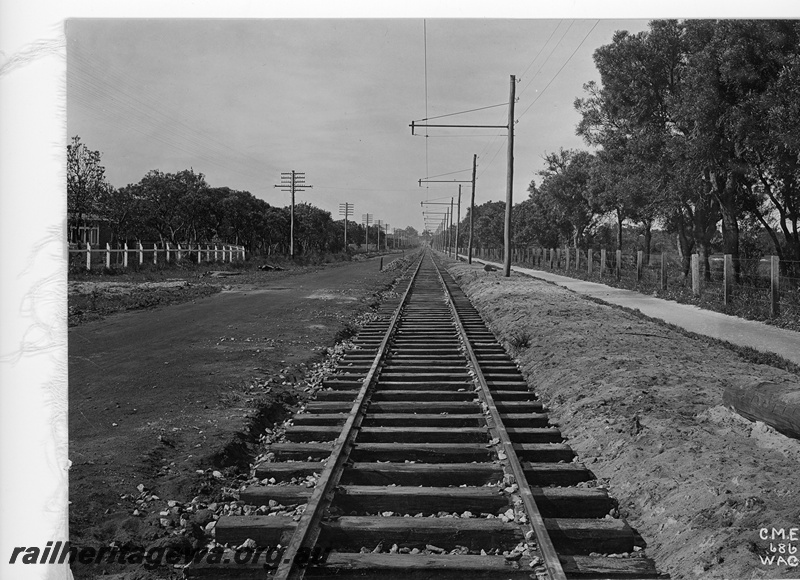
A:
156,395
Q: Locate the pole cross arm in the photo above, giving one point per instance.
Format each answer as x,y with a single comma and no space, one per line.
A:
414,125
421,181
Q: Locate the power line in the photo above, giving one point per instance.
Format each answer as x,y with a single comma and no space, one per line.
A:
101,80
537,56
559,70
547,59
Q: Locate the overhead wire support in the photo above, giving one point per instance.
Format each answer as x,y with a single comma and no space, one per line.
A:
421,181
414,125
509,173
463,112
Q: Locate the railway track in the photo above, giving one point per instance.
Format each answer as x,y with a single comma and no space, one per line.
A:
427,456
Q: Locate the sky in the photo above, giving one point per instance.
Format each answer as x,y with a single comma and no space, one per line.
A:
242,100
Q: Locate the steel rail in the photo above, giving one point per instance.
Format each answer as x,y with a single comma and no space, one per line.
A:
535,519
308,527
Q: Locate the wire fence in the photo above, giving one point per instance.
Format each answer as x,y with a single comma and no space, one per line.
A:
765,289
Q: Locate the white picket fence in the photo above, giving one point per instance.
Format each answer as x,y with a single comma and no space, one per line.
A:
203,253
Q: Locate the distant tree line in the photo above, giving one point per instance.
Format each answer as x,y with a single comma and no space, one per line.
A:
182,208
694,129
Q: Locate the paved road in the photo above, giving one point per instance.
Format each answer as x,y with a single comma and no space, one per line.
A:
739,331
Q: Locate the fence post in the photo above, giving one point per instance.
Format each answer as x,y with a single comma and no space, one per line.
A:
155,253
639,265
589,253
727,273
552,257
602,261
125,255
663,281
166,248
108,256
696,274
566,255
577,259
619,264
141,254
179,252
774,285
88,256
199,255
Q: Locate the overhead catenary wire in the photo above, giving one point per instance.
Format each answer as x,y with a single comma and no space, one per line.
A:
490,144
497,151
540,52
547,58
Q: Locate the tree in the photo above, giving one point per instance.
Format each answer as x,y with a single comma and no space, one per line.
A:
86,183
652,123
566,194
489,224
173,204
121,208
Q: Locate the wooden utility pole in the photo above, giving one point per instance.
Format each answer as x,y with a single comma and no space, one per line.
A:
458,218
366,218
510,177
472,208
450,229
345,209
509,181
292,182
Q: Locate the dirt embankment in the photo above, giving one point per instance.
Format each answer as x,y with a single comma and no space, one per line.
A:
641,405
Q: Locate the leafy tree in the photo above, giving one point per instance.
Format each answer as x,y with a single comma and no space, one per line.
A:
489,225
172,203
567,195
86,183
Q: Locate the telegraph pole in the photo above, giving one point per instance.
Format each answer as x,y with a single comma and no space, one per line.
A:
366,218
472,208
293,181
345,209
378,241
509,181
